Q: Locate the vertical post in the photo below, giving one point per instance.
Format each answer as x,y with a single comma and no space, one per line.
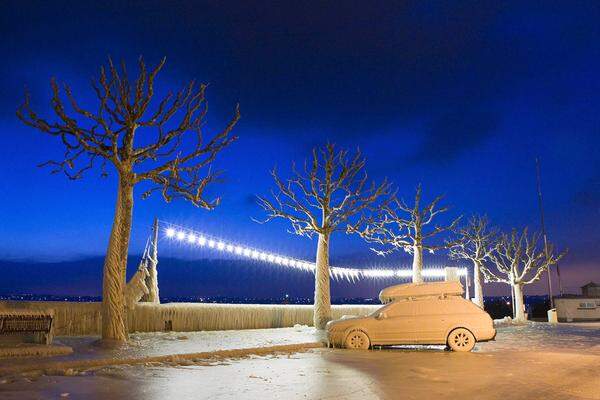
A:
512,300
152,281
543,226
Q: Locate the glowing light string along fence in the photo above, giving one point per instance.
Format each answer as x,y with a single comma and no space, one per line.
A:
202,240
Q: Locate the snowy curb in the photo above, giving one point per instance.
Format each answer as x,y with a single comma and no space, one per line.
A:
52,367
35,351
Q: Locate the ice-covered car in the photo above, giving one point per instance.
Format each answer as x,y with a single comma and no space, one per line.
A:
425,313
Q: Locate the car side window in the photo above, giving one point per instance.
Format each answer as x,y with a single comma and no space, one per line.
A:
401,309
432,307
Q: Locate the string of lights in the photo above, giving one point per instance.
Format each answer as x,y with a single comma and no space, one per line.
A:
201,240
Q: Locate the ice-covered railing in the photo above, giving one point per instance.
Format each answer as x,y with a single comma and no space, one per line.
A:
202,240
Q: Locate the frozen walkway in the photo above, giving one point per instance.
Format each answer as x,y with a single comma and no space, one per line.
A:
535,361
163,346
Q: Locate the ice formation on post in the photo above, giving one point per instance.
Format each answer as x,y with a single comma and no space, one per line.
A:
136,287
152,257
329,191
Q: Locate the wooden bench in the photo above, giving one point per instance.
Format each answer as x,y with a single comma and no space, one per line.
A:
35,325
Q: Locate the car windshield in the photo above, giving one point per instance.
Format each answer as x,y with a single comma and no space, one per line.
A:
380,309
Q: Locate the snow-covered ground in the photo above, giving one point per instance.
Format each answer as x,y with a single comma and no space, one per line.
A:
156,344
525,362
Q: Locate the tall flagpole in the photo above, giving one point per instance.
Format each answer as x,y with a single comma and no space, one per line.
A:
543,226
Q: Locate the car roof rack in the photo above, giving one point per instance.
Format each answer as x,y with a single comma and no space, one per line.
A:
415,291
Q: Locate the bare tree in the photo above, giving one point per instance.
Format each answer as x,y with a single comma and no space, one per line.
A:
172,163
519,261
474,242
397,226
331,189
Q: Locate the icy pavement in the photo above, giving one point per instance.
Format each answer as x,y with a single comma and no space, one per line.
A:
173,343
526,362
544,336
156,344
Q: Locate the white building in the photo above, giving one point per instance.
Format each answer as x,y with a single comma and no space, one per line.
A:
585,307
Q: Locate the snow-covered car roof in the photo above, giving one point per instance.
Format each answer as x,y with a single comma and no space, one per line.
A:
425,289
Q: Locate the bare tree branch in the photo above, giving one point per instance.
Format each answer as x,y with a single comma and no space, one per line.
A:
108,133
518,259
329,191
473,242
397,226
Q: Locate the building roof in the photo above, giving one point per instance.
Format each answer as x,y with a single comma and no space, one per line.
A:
591,284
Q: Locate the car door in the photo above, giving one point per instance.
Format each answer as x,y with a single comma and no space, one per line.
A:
431,321
395,324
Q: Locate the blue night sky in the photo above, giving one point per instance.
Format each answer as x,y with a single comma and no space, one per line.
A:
460,96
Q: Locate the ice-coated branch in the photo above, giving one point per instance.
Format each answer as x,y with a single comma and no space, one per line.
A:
519,261
325,194
473,241
396,225
108,133
518,258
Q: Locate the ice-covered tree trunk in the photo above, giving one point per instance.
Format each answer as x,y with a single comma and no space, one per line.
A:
322,309
478,288
417,266
519,306
107,136
115,264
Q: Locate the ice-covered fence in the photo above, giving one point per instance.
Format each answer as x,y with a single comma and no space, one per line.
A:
208,317
85,318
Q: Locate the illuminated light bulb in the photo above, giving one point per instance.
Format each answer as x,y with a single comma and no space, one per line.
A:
433,272
403,273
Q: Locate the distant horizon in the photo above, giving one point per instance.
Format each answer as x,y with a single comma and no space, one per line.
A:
211,277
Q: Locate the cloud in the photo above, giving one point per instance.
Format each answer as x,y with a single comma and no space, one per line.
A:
589,194
454,133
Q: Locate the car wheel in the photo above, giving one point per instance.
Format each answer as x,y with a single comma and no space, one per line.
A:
461,339
357,340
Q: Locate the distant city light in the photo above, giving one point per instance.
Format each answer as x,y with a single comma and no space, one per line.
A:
350,274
